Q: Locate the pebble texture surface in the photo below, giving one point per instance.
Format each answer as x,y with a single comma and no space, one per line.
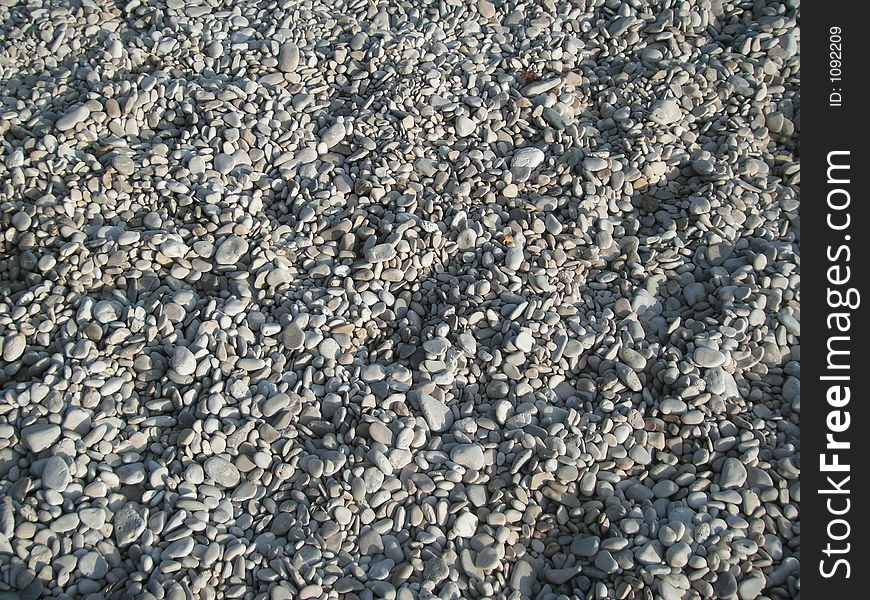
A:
327,299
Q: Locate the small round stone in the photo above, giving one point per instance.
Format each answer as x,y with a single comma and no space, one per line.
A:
224,163
222,472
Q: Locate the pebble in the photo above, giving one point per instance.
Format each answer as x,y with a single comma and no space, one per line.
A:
733,474
725,585
231,250
480,300
381,253
128,525
523,578
13,347
222,472
55,474
678,555
666,112
224,163
436,413
464,126
40,436
293,337
183,361
124,165
486,9
708,357
465,525
72,117
751,587
93,565
468,455
333,135
529,158
288,57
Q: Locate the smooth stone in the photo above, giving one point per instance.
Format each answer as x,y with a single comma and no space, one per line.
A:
486,9
466,239
487,559
523,578
274,404
183,361
524,341
465,525
666,112
40,436
381,253
678,555
539,87
92,565
529,158
562,576
279,276
293,337
464,126
196,165
381,569
14,346
751,587
223,472
733,474
585,545
230,250
288,57
94,518
329,348
131,474
594,164
72,117
639,454
468,455
708,357
194,473
224,163
514,258
604,560
694,293
436,346
669,591
106,311
179,548
436,569
665,489
124,165
725,585
437,414
649,554
55,474
333,135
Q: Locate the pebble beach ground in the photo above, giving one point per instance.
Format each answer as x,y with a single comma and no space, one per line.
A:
466,299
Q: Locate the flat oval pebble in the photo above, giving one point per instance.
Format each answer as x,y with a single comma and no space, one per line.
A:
55,474
72,117
708,357
529,158
293,337
230,250
288,57
223,472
